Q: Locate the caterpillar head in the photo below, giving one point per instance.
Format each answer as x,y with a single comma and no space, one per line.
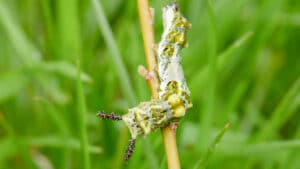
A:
172,16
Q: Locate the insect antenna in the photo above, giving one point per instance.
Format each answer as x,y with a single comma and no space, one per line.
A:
129,149
111,116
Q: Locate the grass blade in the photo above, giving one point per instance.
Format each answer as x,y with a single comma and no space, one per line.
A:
69,29
203,162
16,143
209,107
126,86
201,77
58,142
11,84
81,110
27,52
63,68
282,112
257,150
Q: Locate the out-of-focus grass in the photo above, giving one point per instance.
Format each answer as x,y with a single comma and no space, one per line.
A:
242,66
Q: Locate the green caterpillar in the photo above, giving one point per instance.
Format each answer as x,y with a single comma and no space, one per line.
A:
174,95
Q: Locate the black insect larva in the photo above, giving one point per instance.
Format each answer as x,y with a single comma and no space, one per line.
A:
174,95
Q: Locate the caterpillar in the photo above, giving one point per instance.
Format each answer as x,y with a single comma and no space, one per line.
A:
174,95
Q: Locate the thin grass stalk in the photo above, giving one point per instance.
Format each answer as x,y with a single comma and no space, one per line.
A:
201,77
58,142
123,75
207,116
169,135
81,110
58,120
51,30
26,51
258,150
22,149
69,28
285,109
203,162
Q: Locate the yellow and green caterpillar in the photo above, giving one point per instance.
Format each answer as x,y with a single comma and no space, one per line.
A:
174,95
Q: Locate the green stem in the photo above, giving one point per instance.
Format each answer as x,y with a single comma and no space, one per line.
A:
209,110
81,110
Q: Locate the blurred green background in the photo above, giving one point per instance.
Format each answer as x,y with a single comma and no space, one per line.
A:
242,66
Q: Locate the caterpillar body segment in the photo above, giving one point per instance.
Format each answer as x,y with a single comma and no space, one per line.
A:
147,117
169,54
151,115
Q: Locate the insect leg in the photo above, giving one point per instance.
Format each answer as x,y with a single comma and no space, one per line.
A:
111,116
129,149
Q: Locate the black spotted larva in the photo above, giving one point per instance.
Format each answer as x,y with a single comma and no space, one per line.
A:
174,95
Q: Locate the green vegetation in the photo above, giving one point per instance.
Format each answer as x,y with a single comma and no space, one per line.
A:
62,61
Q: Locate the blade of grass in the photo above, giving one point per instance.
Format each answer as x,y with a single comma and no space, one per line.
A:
27,52
51,37
63,68
269,11
7,149
59,121
152,160
69,29
209,109
285,109
292,159
292,19
54,115
203,162
81,110
281,114
163,163
11,84
58,142
263,149
126,86
201,77
21,148
122,73
235,98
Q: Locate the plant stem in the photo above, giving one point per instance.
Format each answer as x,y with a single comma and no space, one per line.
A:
146,21
169,136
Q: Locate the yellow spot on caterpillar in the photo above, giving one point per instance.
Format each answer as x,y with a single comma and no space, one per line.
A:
174,100
187,99
177,36
179,111
172,87
181,22
168,50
